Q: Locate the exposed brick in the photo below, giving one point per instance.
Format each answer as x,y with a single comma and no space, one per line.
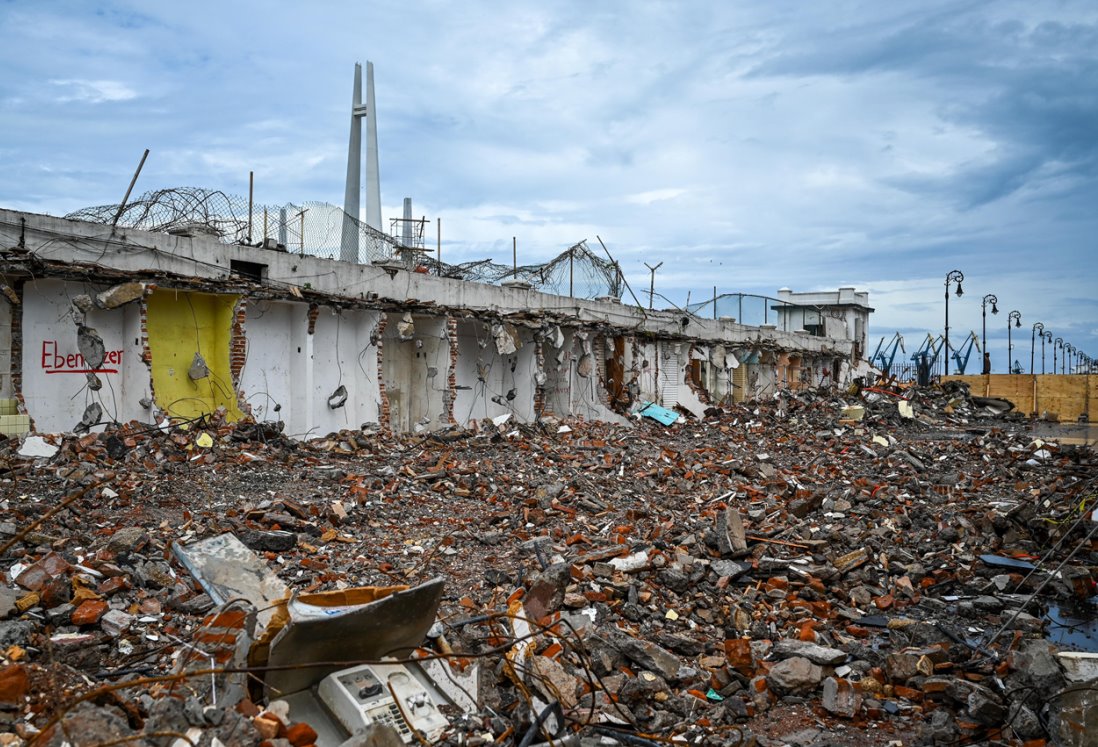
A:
383,416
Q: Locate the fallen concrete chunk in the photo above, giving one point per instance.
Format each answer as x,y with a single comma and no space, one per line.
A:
648,655
631,563
730,569
546,592
731,538
796,676
36,447
851,560
840,698
120,295
227,569
815,653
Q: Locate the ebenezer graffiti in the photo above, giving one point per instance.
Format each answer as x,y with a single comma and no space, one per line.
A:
54,361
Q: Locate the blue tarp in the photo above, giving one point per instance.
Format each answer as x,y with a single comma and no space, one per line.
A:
659,414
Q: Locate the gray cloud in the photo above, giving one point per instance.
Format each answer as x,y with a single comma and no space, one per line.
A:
751,145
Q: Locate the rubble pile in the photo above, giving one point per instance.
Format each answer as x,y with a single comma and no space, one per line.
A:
866,568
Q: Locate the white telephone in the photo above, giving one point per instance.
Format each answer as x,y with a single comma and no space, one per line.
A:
361,696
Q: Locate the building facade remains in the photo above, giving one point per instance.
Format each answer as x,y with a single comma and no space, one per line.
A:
101,324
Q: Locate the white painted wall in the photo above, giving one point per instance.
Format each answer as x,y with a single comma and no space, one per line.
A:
273,373
718,375
478,357
642,366
341,342
54,389
202,257
416,373
567,394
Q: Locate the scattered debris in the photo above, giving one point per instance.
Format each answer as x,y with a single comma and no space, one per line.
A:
882,579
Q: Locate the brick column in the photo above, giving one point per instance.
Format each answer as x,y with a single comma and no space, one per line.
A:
450,394
18,286
383,415
539,367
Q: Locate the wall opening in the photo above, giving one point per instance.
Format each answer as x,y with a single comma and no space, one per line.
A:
250,270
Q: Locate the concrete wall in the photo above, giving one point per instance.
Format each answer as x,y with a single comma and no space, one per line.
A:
55,382
490,384
278,358
343,355
289,368
417,369
572,381
275,370
162,254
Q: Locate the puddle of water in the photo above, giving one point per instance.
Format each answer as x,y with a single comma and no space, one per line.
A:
1074,627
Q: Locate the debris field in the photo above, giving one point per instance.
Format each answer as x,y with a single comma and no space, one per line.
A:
817,568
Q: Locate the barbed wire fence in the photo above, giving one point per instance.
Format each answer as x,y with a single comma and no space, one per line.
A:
316,229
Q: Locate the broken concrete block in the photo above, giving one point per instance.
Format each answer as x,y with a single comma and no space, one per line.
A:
985,706
731,538
648,655
546,593
1037,667
729,568
198,370
274,540
815,653
91,346
119,295
8,599
115,622
82,303
406,328
851,560
93,415
127,539
552,681
796,676
840,698
506,338
36,447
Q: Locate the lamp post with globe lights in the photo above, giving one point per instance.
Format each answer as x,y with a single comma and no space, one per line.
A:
954,276
990,298
1016,317
1038,328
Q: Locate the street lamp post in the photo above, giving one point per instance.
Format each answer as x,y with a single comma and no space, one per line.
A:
1033,343
1059,343
954,276
988,299
1068,350
1016,317
1046,337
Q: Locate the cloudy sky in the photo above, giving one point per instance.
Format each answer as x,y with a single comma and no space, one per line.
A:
748,145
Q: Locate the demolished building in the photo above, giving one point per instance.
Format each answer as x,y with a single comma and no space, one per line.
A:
107,324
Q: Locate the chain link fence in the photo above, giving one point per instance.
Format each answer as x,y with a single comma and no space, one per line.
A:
317,229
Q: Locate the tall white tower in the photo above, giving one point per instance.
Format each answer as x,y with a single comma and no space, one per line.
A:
349,241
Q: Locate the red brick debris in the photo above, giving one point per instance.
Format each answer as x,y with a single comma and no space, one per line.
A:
815,568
